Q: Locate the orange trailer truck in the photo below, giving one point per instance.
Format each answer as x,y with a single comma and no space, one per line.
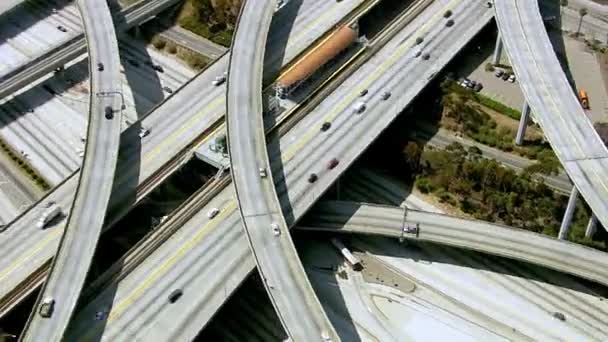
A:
582,96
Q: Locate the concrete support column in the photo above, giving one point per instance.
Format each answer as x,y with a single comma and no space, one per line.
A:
591,226
565,227
497,50
523,124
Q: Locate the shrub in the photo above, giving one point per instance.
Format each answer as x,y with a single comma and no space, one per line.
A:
158,43
424,185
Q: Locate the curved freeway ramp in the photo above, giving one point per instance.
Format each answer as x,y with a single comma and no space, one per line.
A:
560,255
555,106
85,220
297,306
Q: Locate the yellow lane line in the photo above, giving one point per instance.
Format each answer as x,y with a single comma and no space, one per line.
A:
123,305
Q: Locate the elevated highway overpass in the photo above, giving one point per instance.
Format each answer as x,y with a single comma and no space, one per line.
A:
206,258
177,126
85,220
59,56
559,255
555,106
277,260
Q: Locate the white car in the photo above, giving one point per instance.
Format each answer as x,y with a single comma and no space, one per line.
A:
275,229
219,80
50,212
143,132
359,107
213,213
512,78
263,172
46,307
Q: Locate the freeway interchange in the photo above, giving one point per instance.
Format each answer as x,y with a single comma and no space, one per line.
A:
271,185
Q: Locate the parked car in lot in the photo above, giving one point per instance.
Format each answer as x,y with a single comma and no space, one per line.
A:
505,76
498,72
512,78
478,87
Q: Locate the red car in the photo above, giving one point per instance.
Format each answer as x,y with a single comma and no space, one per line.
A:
332,163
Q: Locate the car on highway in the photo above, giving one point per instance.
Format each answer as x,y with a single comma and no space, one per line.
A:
99,66
175,295
263,173
312,178
426,56
219,80
418,52
363,92
449,23
386,95
359,107
62,29
213,213
46,307
109,112
168,90
325,126
143,132
158,68
50,212
332,163
275,229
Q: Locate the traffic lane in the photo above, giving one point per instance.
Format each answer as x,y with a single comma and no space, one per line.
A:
42,247
195,238
345,123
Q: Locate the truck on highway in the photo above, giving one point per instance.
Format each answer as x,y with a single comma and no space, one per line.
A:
582,96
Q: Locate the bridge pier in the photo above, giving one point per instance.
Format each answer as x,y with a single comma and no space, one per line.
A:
591,226
497,50
523,124
565,227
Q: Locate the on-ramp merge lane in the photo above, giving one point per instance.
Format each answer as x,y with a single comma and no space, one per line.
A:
77,246
297,306
560,255
555,106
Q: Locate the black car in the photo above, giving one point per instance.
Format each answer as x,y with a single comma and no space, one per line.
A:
505,76
109,113
62,29
325,126
312,178
478,87
158,68
100,66
426,56
332,163
175,295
